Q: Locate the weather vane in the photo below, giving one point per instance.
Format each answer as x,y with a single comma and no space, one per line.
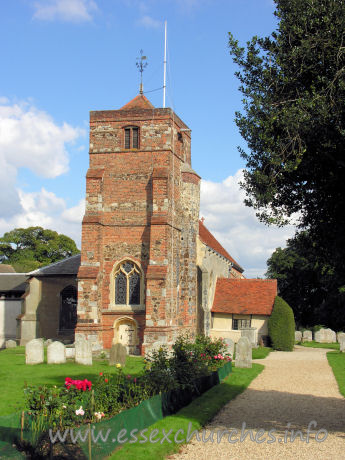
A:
141,65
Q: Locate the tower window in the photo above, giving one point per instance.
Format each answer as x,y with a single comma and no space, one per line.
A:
131,137
127,284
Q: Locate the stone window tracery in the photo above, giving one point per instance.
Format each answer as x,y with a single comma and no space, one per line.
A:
127,284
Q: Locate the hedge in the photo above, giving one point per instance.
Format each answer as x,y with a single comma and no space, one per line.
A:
281,326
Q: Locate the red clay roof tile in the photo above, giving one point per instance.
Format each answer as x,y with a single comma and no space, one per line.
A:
244,296
139,102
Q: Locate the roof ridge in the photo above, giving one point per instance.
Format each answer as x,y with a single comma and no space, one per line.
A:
35,272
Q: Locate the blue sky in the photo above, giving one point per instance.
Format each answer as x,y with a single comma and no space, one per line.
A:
62,58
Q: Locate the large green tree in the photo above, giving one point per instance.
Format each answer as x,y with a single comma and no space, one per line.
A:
293,121
307,283
29,248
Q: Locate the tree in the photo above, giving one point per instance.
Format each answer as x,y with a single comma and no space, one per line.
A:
27,249
293,84
307,283
281,326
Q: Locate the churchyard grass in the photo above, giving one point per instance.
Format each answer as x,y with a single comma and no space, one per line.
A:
198,413
313,344
337,362
14,373
261,352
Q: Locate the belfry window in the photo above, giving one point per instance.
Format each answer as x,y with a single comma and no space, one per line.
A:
131,137
127,284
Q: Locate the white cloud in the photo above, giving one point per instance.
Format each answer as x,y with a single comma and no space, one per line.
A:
149,22
65,10
30,138
46,210
237,228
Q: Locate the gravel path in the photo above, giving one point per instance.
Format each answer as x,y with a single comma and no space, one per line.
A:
294,388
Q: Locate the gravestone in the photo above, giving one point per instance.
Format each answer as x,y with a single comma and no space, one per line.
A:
83,352
10,344
307,336
118,354
325,336
70,352
342,344
251,333
230,346
34,352
56,353
48,342
243,353
298,336
340,336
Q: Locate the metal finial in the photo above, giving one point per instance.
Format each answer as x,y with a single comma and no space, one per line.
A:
141,65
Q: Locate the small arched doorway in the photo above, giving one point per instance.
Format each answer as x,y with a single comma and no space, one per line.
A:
126,333
68,310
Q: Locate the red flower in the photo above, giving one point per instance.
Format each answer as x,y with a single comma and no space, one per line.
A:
101,373
78,384
106,380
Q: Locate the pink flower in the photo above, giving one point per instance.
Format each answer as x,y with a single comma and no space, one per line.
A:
135,380
129,377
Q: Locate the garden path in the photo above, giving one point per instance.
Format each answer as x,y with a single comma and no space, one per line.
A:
295,388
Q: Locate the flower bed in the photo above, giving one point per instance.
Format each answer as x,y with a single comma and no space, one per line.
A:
177,376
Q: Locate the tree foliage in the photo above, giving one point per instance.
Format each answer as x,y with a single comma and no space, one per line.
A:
281,326
29,248
293,83
307,283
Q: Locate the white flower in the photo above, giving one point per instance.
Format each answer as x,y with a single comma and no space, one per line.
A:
99,415
80,411
64,407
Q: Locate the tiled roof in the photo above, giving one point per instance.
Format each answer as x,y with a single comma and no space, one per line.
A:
244,296
69,266
206,237
13,282
139,102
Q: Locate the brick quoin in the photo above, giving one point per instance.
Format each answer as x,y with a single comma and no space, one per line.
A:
142,205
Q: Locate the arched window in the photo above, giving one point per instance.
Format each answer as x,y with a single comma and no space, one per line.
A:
68,309
127,284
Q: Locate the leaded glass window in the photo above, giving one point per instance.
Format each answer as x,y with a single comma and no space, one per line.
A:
131,137
127,284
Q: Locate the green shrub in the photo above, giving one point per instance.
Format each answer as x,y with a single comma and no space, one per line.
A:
281,326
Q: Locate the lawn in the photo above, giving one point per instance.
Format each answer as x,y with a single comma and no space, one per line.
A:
313,344
198,413
14,373
337,363
261,352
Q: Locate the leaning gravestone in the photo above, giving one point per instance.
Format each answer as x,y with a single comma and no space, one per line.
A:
34,352
307,336
230,346
243,353
342,344
56,353
10,344
325,336
83,352
340,336
298,336
118,354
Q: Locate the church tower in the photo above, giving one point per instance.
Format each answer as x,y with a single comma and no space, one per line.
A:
137,282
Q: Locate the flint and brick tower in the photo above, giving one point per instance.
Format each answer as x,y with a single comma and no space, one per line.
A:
138,276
